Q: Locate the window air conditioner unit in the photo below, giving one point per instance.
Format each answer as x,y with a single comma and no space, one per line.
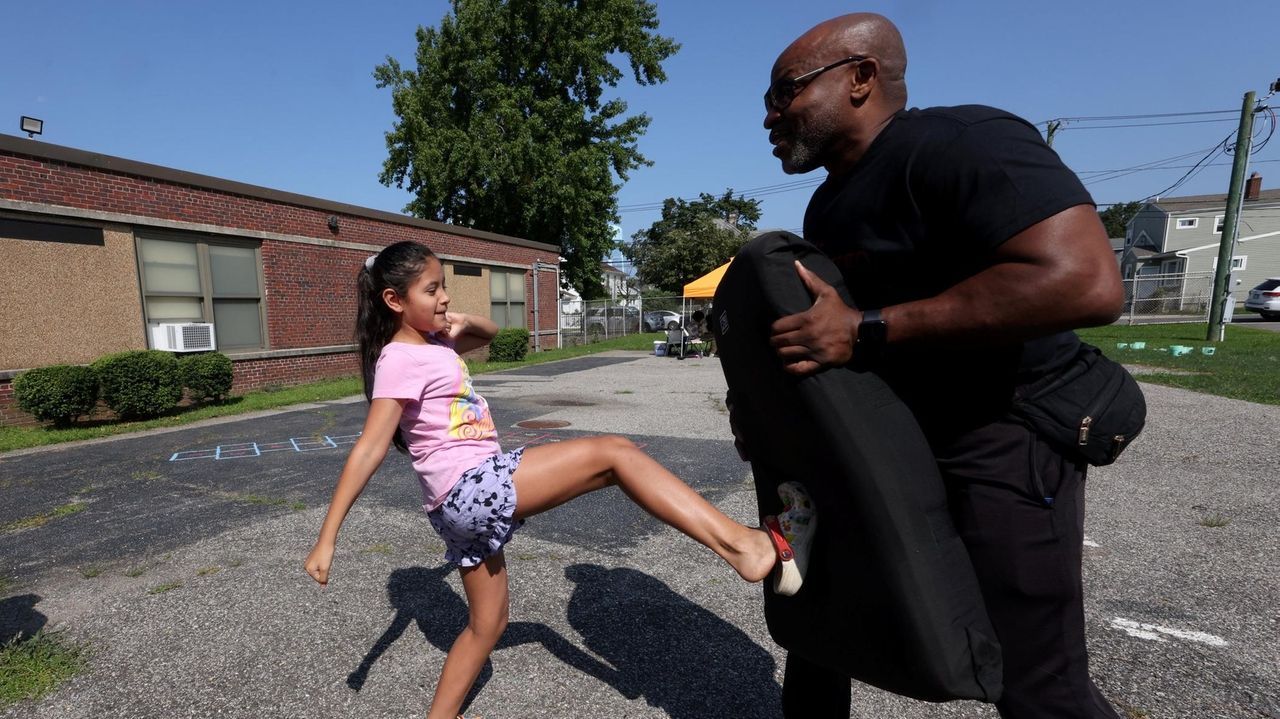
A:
183,337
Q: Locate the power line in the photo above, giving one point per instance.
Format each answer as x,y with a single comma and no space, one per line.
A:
749,193
1142,167
1097,118
1220,148
1139,168
1146,124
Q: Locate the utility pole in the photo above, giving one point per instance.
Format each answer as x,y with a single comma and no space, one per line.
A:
1051,130
1230,220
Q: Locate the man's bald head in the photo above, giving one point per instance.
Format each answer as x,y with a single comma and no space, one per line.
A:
823,109
867,34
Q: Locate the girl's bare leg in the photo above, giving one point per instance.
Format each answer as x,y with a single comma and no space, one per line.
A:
487,599
550,475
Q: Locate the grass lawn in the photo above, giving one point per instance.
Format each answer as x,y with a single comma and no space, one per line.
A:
1246,366
12,438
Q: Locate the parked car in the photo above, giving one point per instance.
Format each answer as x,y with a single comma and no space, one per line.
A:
659,320
611,321
1265,299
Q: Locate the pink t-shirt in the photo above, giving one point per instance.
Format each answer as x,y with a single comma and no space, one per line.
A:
446,425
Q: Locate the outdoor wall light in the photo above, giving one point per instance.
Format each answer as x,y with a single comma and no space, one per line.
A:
333,223
32,126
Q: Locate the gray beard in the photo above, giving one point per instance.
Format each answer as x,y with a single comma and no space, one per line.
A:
802,158
808,147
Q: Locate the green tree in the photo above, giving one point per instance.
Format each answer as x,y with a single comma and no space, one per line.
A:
504,125
1116,217
691,239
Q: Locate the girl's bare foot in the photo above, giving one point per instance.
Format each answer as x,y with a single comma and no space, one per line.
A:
754,557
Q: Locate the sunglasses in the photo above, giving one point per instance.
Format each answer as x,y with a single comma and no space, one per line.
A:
784,90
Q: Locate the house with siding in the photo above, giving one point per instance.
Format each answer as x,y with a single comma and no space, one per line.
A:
1181,235
101,254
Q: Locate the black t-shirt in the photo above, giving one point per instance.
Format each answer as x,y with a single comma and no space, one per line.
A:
936,192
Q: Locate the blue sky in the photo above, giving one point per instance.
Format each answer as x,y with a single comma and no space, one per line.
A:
282,95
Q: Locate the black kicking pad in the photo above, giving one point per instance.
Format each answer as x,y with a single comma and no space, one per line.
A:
890,597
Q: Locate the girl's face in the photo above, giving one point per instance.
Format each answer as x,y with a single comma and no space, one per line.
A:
423,306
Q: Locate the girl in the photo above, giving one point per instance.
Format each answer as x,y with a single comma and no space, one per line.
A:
476,496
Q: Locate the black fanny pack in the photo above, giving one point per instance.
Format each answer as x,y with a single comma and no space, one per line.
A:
1090,409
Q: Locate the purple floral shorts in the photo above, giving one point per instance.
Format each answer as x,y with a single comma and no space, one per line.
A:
478,516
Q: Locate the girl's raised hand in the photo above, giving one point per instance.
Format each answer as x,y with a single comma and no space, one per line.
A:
318,563
457,324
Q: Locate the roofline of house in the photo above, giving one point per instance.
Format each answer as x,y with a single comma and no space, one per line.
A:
35,149
1253,205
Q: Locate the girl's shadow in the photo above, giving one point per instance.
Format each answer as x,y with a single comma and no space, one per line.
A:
679,656
422,596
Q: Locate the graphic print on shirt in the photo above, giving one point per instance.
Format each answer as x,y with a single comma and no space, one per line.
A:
468,414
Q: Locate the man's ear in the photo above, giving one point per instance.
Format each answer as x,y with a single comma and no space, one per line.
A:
392,299
863,78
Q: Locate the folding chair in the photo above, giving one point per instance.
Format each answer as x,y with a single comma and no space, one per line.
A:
679,343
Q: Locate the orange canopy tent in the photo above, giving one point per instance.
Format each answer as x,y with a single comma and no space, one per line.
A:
705,286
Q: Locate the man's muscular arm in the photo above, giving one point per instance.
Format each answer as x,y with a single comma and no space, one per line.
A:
1056,275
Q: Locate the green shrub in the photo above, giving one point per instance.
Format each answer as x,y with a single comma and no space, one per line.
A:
207,375
144,383
59,393
510,345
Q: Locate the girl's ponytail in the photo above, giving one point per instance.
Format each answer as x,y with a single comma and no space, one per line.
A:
396,267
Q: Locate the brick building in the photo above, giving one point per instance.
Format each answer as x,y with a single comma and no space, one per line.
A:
97,251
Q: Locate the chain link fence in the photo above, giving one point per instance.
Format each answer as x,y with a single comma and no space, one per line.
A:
584,322
1166,298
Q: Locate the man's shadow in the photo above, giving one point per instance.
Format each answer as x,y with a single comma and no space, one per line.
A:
677,655
19,619
680,657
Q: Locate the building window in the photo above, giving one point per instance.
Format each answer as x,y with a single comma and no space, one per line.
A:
1238,262
506,298
1217,224
195,280
1187,223
50,232
1171,273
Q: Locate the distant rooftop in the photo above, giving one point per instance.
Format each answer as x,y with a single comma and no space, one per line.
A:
1197,202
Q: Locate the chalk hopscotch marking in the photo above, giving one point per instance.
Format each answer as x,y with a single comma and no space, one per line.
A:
1090,543
243,450
1157,633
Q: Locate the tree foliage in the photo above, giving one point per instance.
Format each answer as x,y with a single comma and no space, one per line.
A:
504,125
691,239
1116,217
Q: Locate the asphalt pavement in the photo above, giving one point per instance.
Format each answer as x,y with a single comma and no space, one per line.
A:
176,557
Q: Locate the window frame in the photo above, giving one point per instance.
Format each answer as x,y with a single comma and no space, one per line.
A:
204,273
1219,224
1242,259
1195,222
506,274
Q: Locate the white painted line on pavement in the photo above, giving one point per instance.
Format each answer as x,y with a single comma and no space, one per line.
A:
1154,632
1090,543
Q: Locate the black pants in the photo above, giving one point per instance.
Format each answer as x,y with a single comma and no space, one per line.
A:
1019,507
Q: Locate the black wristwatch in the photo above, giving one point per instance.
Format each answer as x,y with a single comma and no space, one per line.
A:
873,333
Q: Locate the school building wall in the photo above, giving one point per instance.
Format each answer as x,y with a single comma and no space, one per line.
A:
71,302
67,303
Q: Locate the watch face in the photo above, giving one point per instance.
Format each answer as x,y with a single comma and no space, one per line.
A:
872,332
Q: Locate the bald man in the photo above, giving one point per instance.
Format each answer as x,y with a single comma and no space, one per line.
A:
970,252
